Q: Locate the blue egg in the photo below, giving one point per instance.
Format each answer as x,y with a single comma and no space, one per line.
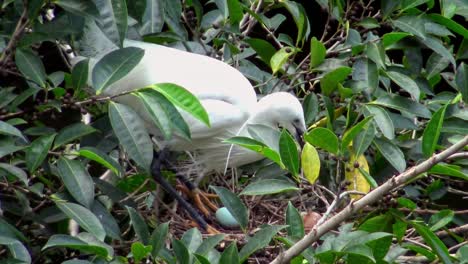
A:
225,218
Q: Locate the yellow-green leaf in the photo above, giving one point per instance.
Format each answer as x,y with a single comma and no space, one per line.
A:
310,163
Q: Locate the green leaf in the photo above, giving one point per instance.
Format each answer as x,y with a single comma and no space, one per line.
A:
107,220
330,81
183,99
450,24
368,177
438,47
441,219
156,112
78,7
80,75
411,24
131,132
140,251
433,241
31,66
310,106
435,64
406,83
403,104
37,151
392,153
442,169
404,202
299,15
181,252
71,133
84,217
260,240
258,147
268,186
294,221
192,239
7,129
310,161
75,243
263,48
153,17
351,133
209,244
405,5
101,158
382,119
16,248
158,238
114,66
15,171
139,225
113,19
432,132
317,52
280,58
230,255
77,180
234,205
235,11
376,53
461,79
366,71
323,138
288,152
391,38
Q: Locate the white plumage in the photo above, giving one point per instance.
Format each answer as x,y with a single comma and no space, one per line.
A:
227,96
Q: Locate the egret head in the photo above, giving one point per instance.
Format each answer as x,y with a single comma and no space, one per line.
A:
282,109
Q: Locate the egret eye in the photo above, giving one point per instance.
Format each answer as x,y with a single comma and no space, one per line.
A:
296,120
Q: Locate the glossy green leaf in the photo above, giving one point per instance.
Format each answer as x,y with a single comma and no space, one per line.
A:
158,238
140,251
411,24
317,52
80,75
351,133
114,66
435,64
279,59
230,255
183,99
101,158
30,66
366,71
288,152
310,106
461,79
139,225
209,244
156,112
67,241
376,53
107,220
294,221
310,161
382,120
392,153
370,180
434,242
84,217
235,11
37,151
391,38
264,49
329,81
234,205
437,46
268,186
323,138
260,240
7,129
363,140
132,135
432,132
299,15
153,17
258,147
15,171
113,19
83,8
405,82
450,24
443,169
181,251
403,104
77,180
192,239
441,219
71,133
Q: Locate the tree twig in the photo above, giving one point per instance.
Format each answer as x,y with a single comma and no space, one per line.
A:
370,198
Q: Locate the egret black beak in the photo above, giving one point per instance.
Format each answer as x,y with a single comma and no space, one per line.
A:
299,135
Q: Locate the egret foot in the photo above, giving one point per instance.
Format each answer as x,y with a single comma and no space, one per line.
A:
201,199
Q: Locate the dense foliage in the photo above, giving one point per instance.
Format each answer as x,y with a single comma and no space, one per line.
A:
384,87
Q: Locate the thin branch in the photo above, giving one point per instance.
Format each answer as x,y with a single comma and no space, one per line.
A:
372,197
15,37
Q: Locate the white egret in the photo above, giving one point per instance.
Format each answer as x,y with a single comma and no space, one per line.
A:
227,96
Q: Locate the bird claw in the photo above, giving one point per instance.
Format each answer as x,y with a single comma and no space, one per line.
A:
201,199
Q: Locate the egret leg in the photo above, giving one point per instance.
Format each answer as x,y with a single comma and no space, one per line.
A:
201,199
159,178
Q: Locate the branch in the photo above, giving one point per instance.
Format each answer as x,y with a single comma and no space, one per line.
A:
15,37
369,198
